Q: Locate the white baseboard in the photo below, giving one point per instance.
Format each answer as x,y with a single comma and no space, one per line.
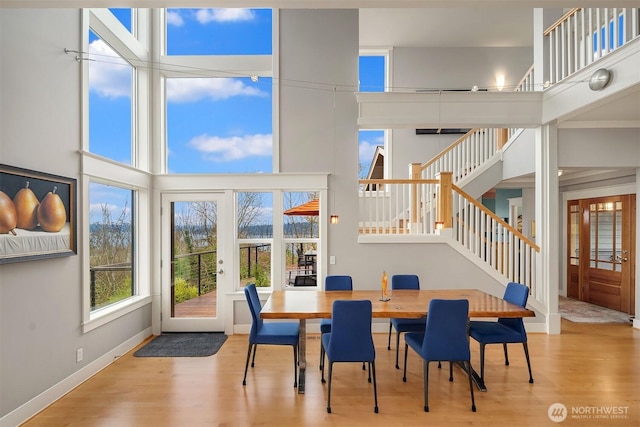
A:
47,397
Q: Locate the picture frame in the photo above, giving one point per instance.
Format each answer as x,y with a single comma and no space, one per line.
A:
37,215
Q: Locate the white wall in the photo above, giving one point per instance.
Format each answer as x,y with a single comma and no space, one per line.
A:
458,68
40,301
599,148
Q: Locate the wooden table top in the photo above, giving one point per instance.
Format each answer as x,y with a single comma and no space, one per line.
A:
403,303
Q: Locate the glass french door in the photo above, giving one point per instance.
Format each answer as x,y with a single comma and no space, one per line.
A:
601,250
193,270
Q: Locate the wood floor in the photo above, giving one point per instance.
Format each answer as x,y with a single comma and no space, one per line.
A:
589,367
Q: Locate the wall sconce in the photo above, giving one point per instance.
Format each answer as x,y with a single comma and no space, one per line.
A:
439,225
600,79
334,219
500,82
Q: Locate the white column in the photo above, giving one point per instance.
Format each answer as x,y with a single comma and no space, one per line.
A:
538,48
547,223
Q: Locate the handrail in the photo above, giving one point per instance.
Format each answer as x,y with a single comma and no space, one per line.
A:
449,148
524,79
496,218
398,181
562,19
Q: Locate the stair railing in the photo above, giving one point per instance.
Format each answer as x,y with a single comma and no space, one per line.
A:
467,153
494,241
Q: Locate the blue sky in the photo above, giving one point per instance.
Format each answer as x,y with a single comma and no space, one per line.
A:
214,125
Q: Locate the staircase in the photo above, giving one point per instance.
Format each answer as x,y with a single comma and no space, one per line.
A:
440,198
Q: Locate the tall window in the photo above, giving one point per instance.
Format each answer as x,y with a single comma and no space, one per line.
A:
219,119
219,125
110,102
372,78
111,231
219,31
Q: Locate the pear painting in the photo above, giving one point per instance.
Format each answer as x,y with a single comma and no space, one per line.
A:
8,214
26,204
52,214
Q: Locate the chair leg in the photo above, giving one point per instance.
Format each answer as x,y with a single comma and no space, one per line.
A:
322,363
321,354
397,347
526,353
295,366
363,367
246,366
506,355
390,328
404,374
482,345
426,385
450,371
375,388
473,400
369,379
253,360
329,392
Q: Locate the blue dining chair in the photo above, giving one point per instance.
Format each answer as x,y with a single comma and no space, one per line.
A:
444,339
404,281
275,333
505,330
350,340
332,283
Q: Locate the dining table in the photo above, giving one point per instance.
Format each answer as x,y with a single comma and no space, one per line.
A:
404,303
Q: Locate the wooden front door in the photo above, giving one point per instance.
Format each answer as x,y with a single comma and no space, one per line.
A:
600,258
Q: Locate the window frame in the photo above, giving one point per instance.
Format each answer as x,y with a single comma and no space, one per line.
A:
134,177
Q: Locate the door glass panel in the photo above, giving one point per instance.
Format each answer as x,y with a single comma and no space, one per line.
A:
574,235
593,225
606,235
194,232
617,242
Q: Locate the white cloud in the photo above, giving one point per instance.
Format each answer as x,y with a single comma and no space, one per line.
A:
218,149
196,89
109,74
204,16
366,150
174,18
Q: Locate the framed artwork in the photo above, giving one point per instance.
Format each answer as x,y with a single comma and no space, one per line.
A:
37,215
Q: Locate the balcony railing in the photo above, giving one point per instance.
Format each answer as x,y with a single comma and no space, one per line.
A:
582,36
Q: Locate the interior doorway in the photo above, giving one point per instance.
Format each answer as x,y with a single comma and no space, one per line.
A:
601,251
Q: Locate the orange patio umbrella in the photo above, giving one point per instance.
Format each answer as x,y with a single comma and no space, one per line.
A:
310,208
